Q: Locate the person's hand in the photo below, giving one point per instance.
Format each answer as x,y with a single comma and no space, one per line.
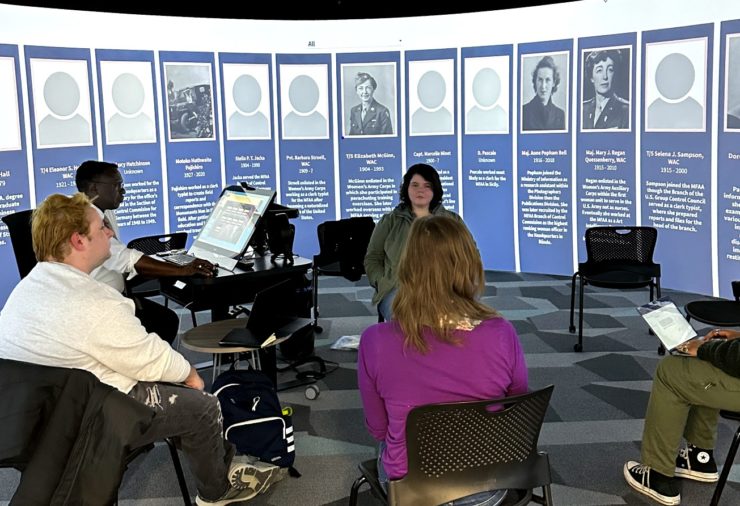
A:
199,267
691,347
194,380
722,334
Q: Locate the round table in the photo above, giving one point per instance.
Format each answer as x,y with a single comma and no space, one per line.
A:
205,338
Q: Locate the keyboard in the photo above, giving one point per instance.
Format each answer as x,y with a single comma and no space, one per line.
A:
180,258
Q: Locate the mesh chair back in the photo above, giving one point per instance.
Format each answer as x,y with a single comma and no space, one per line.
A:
621,244
152,244
343,245
19,228
459,449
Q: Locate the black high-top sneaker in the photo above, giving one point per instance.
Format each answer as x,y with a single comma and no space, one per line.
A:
659,487
696,464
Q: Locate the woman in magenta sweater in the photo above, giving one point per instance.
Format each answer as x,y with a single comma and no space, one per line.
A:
443,346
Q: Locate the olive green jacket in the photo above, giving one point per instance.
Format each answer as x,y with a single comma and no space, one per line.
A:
386,245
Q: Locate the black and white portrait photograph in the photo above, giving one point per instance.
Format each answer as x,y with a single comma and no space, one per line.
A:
732,82
189,101
486,95
605,88
676,85
544,92
369,99
61,101
247,100
304,95
128,102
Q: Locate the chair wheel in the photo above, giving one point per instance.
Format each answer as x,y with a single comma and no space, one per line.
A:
578,347
312,392
572,329
318,329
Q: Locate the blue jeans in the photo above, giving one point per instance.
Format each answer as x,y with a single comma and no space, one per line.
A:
488,498
385,307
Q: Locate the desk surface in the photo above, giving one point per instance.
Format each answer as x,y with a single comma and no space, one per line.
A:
205,338
230,288
263,266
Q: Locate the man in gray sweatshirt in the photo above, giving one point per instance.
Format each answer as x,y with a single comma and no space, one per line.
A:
86,324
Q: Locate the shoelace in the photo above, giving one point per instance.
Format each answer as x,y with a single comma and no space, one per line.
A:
644,470
684,453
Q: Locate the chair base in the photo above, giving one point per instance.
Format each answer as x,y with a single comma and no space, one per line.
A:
729,415
639,281
175,463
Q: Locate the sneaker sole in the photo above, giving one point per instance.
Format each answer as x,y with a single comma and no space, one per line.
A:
639,487
696,475
265,477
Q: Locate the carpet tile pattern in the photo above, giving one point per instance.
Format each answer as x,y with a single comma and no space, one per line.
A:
593,425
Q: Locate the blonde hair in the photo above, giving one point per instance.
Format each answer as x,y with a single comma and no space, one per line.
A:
54,222
440,277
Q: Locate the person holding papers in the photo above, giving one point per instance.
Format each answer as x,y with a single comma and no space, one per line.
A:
687,395
444,345
103,184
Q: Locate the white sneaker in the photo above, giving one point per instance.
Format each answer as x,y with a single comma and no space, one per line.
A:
231,496
249,473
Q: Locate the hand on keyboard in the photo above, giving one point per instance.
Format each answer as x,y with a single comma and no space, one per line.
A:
200,267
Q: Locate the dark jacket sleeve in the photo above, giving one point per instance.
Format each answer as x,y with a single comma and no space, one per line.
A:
722,354
68,431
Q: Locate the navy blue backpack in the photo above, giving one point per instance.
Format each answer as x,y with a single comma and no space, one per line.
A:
253,418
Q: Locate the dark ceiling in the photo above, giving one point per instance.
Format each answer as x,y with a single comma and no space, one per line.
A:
270,9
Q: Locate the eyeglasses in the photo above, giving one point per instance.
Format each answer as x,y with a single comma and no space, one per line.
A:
118,185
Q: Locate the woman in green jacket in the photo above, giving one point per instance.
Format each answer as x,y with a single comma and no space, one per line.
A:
421,195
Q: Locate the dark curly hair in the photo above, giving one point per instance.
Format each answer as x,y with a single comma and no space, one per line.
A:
429,174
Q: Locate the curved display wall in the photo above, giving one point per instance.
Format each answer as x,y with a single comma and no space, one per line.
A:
542,122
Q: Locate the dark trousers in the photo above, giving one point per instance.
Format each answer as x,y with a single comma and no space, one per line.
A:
194,419
156,318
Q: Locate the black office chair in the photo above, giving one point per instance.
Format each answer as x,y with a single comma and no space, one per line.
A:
735,416
51,402
616,257
19,228
718,313
342,249
151,245
459,449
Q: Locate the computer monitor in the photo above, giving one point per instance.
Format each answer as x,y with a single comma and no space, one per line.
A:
231,224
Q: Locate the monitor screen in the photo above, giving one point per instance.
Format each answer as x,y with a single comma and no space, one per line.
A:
232,222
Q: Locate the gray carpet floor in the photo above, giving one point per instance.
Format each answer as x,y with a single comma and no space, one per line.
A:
594,423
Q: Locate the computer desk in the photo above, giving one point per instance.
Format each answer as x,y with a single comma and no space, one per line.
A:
228,288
